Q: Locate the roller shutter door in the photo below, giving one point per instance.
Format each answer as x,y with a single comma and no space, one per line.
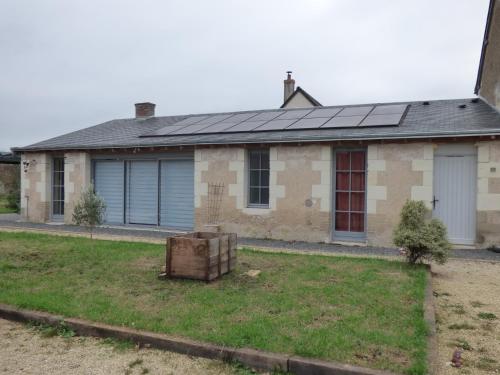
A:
142,186
108,181
177,194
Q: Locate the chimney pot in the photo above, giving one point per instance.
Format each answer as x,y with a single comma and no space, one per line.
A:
144,110
289,86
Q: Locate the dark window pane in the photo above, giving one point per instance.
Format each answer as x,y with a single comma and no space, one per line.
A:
342,161
342,221
342,181
358,202
264,160
264,196
358,181
358,160
254,160
255,178
264,178
357,222
342,202
254,196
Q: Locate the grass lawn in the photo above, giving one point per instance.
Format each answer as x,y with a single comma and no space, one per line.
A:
3,206
367,312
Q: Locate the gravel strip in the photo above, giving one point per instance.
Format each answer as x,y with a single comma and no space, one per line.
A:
140,232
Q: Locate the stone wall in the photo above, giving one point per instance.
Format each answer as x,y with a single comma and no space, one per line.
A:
396,173
35,187
77,170
299,203
488,193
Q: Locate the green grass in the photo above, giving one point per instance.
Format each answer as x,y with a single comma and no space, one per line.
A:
367,312
3,206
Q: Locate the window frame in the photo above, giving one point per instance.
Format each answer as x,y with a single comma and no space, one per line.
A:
260,187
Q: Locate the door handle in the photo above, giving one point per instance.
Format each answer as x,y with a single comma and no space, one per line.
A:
433,201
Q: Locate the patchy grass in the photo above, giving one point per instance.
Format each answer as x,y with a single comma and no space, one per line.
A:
459,326
477,304
367,312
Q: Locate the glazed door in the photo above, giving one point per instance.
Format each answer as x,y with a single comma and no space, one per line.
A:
349,194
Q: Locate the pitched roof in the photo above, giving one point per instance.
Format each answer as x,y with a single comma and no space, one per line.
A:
300,90
439,118
489,17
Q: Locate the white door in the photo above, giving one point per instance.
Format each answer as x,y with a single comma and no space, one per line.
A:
454,201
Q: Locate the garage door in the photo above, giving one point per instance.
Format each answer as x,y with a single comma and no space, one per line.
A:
108,180
142,186
177,194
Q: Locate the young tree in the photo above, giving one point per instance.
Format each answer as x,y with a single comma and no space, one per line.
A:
90,209
421,238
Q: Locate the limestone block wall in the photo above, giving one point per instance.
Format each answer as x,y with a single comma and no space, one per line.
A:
35,186
395,173
488,193
299,202
77,170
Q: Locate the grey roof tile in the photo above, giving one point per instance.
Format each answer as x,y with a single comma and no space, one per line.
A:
439,118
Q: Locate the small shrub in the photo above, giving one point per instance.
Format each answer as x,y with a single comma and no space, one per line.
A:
461,326
90,209
487,316
420,238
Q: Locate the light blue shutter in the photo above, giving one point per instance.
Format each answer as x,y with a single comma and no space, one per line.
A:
142,200
177,194
109,184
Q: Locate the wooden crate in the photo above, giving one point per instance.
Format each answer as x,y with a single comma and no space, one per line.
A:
200,255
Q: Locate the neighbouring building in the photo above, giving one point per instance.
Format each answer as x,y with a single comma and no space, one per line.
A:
302,172
9,172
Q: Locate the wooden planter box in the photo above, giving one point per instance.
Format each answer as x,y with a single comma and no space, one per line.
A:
200,255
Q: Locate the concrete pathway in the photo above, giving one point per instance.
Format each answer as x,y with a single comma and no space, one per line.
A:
158,235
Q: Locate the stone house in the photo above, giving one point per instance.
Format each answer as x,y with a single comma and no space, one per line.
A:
303,172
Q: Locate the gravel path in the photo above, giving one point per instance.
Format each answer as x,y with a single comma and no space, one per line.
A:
152,234
468,316
24,350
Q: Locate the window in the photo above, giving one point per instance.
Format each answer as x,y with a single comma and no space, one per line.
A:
258,169
350,191
58,187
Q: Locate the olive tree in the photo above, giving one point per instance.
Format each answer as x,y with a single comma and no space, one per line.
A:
90,209
420,237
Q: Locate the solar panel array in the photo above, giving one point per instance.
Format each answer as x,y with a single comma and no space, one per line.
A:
313,118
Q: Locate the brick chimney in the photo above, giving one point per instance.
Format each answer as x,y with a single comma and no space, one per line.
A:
144,110
289,86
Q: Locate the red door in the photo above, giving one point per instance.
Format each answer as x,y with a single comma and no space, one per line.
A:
350,176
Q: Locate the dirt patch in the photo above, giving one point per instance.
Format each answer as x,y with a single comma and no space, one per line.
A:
24,350
467,311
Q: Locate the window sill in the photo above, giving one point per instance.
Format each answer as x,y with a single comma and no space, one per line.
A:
257,211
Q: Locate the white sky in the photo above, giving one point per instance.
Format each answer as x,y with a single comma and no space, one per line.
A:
66,65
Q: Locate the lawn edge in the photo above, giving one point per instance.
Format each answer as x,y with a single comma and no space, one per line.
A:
430,319
256,359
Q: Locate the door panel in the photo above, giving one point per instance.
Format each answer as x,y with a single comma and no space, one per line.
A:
109,184
57,188
177,194
142,188
455,179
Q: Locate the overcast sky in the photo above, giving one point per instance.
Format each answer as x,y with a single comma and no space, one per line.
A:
66,65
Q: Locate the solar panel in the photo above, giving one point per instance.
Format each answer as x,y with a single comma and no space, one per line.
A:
293,115
323,112
239,117
190,129
355,111
245,126
381,120
276,125
216,127
191,120
213,119
389,109
308,123
343,122
265,116
166,130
